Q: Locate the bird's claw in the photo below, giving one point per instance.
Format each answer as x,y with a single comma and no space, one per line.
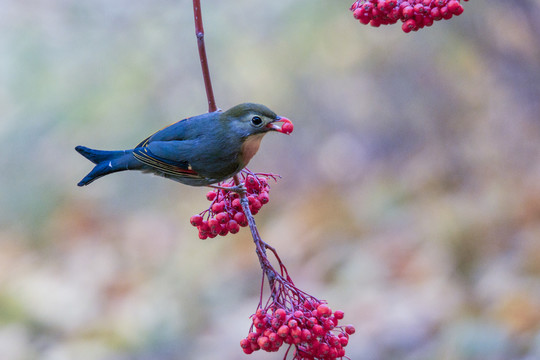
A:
240,188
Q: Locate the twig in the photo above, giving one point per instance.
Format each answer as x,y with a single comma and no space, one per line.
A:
260,245
199,31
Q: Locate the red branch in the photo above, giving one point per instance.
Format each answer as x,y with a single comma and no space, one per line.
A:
199,31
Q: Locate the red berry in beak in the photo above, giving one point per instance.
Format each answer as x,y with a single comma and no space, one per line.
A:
286,128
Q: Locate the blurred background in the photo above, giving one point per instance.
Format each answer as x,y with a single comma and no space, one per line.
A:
410,196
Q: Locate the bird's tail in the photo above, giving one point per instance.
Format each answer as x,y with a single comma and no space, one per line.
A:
106,162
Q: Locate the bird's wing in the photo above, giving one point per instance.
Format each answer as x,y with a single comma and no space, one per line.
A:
167,157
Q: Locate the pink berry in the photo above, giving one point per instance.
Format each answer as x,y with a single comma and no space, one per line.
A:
280,314
318,330
287,128
233,227
218,207
408,12
244,343
408,25
196,220
455,7
214,225
283,331
263,342
323,310
222,217
240,218
263,197
252,337
306,335
293,323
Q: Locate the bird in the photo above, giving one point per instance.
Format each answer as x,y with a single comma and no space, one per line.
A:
198,151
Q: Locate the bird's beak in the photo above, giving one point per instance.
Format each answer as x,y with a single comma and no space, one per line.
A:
286,126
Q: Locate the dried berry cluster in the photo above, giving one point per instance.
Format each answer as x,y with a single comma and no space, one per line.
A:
312,328
415,14
225,214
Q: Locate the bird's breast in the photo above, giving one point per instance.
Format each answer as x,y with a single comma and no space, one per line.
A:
250,147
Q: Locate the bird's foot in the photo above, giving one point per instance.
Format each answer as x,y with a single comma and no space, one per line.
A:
240,188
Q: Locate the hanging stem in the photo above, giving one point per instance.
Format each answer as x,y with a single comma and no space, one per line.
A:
260,245
199,31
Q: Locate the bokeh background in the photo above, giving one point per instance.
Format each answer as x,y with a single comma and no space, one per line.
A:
410,196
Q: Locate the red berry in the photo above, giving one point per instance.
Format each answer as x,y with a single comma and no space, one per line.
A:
334,341
338,314
324,310
196,220
408,25
343,341
214,226
240,218
236,204
259,323
349,329
323,350
283,331
318,330
211,195
436,13
306,335
280,314
328,325
276,323
287,128
263,342
332,354
455,7
224,231
233,227
244,343
263,197
293,323
408,12
218,207
252,337
273,337
298,314
222,217
311,321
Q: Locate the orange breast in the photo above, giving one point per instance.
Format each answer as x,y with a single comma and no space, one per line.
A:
250,147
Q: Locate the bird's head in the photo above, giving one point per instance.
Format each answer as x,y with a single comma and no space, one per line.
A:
253,119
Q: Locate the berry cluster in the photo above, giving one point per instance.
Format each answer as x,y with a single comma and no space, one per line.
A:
312,328
415,14
225,214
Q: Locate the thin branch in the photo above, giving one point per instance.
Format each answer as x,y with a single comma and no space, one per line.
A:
199,31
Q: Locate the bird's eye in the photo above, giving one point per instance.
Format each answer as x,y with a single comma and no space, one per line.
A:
256,121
